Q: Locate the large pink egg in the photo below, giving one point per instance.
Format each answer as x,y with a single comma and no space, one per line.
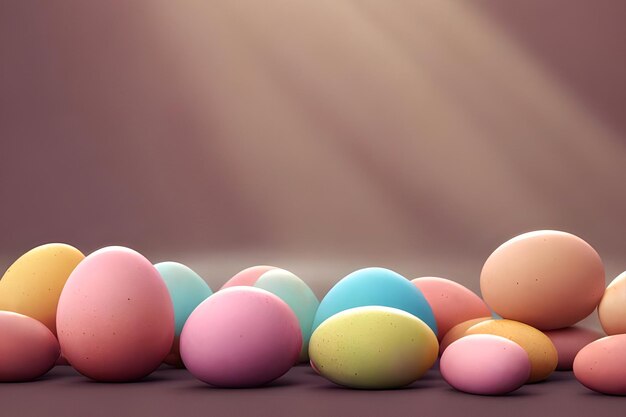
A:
601,365
248,276
240,337
115,319
547,279
485,364
28,349
569,341
451,302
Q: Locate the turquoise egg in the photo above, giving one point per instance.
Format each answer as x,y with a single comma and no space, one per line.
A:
375,287
187,289
293,291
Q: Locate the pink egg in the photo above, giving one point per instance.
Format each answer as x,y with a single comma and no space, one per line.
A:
485,364
569,341
601,365
451,302
248,276
28,349
240,337
115,318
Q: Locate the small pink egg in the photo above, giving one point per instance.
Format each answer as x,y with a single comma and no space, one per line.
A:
115,319
240,337
601,365
451,302
485,364
569,341
28,349
248,276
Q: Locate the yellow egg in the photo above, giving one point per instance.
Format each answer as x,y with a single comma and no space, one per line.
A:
541,351
33,284
373,347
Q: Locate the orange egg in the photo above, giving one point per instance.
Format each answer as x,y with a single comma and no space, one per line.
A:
612,308
458,332
547,279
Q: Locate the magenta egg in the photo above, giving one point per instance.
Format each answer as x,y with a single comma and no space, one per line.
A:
485,364
240,337
115,319
569,341
28,349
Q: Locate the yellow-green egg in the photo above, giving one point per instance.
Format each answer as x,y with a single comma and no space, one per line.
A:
373,347
32,285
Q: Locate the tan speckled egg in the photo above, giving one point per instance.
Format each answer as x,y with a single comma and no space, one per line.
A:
612,308
541,351
547,279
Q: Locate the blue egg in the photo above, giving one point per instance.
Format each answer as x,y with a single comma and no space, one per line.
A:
187,289
375,286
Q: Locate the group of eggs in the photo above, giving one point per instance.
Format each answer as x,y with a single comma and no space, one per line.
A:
114,316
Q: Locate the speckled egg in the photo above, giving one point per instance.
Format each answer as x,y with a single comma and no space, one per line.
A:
28,349
240,337
547,279
612,308
115,318
541,351
33,284
569,341
375,286
451,302
601,365
458,332
373,347
187,289
290,288
485,364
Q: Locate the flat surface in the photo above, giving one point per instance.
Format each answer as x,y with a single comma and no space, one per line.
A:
301,392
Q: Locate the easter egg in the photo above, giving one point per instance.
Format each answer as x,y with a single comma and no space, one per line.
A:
240,337
291,289
601,365
33,284
28,349
569,341
612,308
485,364
540,350
451,302
115,318
375,287
547,279
373,347
458,332
187,289
247,277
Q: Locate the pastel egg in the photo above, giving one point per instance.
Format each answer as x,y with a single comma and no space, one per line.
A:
547,279
451,302
569,341
373,347
33,284
115,318
290,288
187,289
240,337
540,350
458,332
247,277
28,349
375,286
485,364
612,308
601,365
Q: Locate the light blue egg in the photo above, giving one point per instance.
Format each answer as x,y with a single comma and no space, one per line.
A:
293,291
187,289
375,286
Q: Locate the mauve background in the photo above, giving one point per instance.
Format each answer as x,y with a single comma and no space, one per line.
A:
320,136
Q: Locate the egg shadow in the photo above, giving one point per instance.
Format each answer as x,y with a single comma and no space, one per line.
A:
517,393
279,383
